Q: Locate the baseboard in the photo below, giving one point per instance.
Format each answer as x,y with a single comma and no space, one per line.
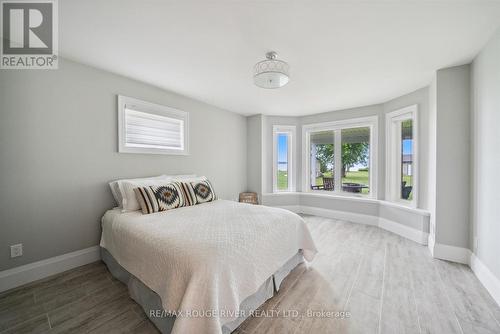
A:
486,277
12,278
451,253
431,242
404,231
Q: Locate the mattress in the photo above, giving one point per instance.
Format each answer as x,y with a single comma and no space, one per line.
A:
205,258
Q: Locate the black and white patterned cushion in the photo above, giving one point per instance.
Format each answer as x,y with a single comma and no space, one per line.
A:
160,197
203,191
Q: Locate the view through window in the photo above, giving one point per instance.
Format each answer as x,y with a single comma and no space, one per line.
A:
407,159
356,160
402,156
339,159
322,160
282,168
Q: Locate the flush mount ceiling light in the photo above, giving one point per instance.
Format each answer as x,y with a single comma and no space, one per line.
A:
271,73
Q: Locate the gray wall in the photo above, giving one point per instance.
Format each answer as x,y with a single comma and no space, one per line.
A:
58,150
431,167
453,156
486,155
254,153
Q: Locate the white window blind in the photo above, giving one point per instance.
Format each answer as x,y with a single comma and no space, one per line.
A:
153,131
149,128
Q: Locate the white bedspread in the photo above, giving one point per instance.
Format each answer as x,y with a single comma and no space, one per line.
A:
207,257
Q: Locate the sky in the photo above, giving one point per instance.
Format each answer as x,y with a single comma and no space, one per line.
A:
407,146
282,151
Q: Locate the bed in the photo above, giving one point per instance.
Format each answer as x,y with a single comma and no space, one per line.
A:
204,268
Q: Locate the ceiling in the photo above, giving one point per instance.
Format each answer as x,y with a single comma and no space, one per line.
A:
342,53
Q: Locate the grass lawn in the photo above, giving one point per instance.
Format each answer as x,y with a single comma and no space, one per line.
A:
282,180
408,179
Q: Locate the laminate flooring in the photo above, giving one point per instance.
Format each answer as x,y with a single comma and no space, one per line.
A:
363,280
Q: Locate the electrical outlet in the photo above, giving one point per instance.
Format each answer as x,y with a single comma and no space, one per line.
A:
16,250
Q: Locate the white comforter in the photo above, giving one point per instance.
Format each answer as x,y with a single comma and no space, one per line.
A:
207,257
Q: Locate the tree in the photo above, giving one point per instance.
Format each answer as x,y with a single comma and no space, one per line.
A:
352,154
324,153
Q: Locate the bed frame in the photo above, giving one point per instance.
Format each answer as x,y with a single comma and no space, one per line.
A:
151,302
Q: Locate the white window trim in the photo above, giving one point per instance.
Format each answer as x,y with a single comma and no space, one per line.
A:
392,184
363,122
290,131
151,108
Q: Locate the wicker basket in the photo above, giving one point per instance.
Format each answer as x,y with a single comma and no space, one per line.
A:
248,197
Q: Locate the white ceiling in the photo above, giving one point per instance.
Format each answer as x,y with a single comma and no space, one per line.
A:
342,53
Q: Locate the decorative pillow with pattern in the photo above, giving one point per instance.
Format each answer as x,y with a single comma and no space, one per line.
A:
160,197
203,191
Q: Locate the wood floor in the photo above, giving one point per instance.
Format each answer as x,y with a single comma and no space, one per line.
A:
382,282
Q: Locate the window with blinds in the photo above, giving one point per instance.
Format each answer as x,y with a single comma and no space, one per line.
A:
150,128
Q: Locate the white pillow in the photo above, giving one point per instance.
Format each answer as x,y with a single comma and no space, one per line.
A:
180,177
115,187
115,190
123,190
129,200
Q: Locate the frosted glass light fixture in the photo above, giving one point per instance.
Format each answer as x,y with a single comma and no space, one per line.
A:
271,73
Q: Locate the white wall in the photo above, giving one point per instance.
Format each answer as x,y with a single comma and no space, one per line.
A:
486,155
58,150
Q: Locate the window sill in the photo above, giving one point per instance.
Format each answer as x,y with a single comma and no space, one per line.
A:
337,196
323,194
328,194
281,193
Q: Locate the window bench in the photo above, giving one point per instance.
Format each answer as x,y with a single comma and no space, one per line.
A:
405,221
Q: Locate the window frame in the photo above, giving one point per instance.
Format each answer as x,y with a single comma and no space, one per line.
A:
154,109
337,126
393,157
290,131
